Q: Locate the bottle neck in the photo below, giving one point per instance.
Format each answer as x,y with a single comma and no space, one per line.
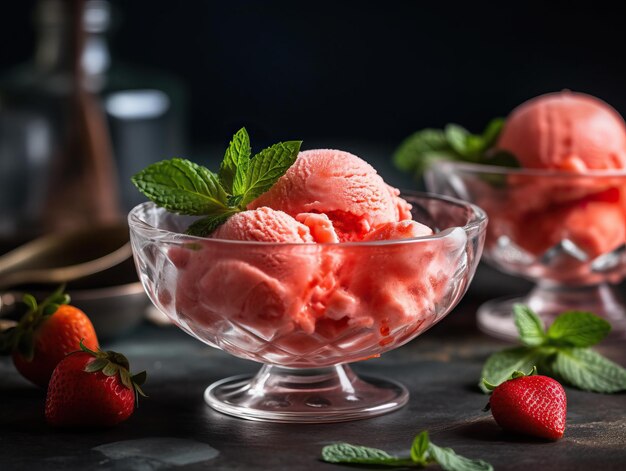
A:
72,35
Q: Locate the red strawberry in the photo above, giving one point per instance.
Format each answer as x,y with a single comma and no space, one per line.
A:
530,404
92,389
45,334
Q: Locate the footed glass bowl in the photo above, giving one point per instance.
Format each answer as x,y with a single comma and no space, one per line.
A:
565,231
305,310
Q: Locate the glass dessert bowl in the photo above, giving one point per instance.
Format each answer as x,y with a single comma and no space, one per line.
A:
305,310
565,231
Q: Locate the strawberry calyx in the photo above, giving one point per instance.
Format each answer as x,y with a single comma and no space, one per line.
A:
111,363
516,374
21,338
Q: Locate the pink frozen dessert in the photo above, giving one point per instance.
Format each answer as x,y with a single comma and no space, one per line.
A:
565,131
572,135
340,185
308,296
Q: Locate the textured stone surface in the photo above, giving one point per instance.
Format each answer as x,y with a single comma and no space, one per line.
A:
440,368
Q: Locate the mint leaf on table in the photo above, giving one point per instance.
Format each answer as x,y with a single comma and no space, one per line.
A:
183,187
346,453
423,452
267,167
562,352
421,149
578,329
450,461
589,371
234,167
529,325
501,365
419,447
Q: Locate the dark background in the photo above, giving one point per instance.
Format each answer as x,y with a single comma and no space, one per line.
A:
355,70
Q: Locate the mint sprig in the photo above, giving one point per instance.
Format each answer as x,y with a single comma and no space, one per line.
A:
183,187
423,452
421,149
562,352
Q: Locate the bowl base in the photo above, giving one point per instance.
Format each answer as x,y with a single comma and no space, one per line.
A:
548,301
290,395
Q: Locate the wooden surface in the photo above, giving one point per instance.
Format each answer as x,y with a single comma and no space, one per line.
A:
177,430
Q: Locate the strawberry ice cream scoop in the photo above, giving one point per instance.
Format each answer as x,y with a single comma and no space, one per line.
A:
264,288
263,225
344,187
565,131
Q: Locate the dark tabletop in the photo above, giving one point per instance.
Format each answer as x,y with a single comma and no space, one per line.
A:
176,429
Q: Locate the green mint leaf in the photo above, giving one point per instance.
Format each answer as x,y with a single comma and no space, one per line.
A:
346,453
181,186
234,167
418,151
205,226
267,167
457,136
450,461
588,370
492,132
529,326
420,447
500,366
578,329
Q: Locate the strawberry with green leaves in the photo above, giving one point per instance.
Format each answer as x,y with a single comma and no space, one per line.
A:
92,389
45,335
529,404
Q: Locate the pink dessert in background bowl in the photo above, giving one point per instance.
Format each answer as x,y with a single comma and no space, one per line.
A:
560,217
338,273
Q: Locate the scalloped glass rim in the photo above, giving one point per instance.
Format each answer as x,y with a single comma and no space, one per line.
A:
478,217
496,169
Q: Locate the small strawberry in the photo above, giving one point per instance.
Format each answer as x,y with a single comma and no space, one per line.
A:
529,404
45,334
92,389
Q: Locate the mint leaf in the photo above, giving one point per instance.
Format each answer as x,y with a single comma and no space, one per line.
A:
234,167
457,136
578,329
499,366
203,227
588,370
182,186
529,326
421,149
450,461
492,132
346,453
267,167
418,151
419,447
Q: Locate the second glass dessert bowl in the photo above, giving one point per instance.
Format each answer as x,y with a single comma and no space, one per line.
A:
305,310
565,231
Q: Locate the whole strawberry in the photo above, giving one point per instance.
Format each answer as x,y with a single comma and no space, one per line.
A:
45,334
530,404
92,389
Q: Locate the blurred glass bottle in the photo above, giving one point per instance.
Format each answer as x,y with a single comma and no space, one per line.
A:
61,113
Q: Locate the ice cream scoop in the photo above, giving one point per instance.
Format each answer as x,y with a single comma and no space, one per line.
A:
339,184
565,131
263,225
